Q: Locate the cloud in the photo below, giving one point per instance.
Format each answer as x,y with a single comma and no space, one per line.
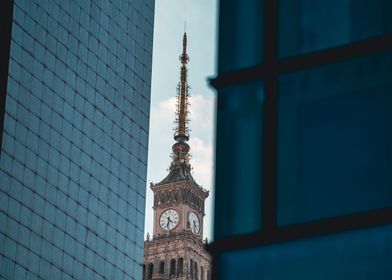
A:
162,118
201,115
202,161
161,138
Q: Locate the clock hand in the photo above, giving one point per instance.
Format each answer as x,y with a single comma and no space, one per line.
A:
168,221
194,226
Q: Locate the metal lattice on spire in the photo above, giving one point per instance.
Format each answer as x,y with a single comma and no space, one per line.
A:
180,168
182,118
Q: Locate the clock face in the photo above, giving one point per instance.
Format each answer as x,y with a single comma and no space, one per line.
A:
194,222
168,219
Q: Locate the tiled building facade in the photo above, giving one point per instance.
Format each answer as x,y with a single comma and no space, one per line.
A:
74,139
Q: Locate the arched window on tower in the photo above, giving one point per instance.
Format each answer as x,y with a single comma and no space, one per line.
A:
191,269
196,276
172,267
144,272
180,267
150,271
162,267
201,273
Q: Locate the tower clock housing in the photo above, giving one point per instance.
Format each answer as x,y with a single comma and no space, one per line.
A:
184,201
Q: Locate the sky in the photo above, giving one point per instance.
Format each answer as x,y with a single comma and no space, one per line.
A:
201,24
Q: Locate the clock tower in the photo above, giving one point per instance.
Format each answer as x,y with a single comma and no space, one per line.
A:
176,250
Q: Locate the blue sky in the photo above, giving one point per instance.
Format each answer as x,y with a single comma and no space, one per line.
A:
201,23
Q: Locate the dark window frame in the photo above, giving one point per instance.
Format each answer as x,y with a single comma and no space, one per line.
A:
172,270
162,267
269,72
180,267
196,271
150,271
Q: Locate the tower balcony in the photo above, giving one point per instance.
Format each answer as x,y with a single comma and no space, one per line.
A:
165,276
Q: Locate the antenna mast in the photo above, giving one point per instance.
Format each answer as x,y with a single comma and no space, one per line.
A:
182,132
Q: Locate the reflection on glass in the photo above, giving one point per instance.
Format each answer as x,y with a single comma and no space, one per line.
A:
238,179
242,34
350,255
335,140
311,25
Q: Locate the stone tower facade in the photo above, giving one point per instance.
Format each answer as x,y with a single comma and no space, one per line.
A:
176,250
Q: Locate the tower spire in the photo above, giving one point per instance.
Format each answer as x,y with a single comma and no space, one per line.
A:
181,149
182,132
180,168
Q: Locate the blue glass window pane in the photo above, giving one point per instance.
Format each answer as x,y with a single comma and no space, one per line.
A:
8,267
363,254
311,25
242,35
335,140
238,180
